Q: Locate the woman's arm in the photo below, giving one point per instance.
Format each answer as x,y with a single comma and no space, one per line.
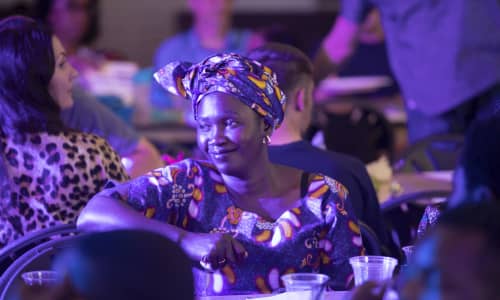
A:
103,212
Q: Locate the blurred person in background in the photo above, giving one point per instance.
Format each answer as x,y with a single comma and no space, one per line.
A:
246,219
458,259
50,171
75,22
118,265
477,175
211,33
444,55
294,72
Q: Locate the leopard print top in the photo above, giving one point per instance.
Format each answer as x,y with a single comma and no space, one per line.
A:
50,178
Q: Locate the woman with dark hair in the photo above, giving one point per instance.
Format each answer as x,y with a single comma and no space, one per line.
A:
48,171
245,219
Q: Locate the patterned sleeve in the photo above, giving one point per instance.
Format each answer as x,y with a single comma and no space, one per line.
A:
343,235
162,194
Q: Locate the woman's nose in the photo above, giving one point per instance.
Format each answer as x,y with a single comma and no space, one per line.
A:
217,134
74,72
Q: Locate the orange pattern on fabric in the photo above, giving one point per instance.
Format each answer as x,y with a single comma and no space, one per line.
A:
197,194
354,227
264,236
262,286
287,229
180,87
261,84
320,191
220,188
325,259
229,274
266,100
150,212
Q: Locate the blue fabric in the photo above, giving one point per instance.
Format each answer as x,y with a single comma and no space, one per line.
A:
457,120
186,47
319,235
90,116
443,53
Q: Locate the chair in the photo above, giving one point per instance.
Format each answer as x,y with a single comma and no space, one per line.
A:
370,240
37,258
436,152
402,214
15,249
364,132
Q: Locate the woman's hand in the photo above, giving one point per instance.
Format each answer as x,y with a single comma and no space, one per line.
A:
213,250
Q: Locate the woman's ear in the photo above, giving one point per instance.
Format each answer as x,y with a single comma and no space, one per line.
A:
268,130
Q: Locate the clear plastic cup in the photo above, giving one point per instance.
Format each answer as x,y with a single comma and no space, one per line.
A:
408,250
373,268
40,278
312,284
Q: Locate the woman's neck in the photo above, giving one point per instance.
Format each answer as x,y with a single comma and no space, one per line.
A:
256,183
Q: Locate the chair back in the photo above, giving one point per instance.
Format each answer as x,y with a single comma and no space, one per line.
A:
434,153
372,244
37,258
12,251
402,214
364,132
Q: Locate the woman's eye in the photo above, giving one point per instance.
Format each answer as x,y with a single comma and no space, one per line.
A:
203,127
62,63
231,123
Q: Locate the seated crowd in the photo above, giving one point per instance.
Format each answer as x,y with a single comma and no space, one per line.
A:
258,203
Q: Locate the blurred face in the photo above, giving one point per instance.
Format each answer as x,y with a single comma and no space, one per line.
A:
230,133
447,266
61,83
69,20
210,8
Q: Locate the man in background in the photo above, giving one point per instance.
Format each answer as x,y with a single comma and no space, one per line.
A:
444,54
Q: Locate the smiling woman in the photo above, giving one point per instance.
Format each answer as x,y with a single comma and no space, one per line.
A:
246,220
48,172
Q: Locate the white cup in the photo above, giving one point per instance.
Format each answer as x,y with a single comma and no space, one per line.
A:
40,278
373,268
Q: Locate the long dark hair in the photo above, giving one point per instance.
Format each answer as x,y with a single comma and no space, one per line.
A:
26,68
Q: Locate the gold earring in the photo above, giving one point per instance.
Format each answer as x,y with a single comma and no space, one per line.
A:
266,140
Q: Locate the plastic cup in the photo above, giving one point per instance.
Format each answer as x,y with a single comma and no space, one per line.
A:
313,285
40,278
373,268
408,250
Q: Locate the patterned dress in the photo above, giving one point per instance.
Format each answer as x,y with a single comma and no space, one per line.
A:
317,236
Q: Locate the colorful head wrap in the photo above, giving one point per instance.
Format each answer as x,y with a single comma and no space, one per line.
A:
251,82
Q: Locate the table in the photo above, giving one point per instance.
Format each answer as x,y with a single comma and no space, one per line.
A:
333,295
424,188
424,181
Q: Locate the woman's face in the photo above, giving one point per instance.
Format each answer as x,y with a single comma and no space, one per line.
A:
230,133
61,83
